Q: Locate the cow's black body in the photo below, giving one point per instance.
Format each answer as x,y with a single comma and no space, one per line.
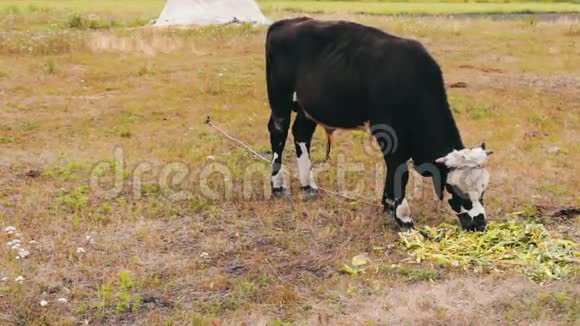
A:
345,75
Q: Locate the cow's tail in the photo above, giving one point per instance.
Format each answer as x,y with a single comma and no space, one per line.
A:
329,132
268,47
274,81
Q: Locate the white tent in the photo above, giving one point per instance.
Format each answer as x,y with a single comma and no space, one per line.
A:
210,12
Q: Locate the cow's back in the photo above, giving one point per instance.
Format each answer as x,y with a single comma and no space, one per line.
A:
346,74
338,69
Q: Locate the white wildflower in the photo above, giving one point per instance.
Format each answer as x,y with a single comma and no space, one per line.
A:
204,255
62,300
211,158
19,279
90,240
43,303
14,244
4,279
32,242
81,250
23,253
10,229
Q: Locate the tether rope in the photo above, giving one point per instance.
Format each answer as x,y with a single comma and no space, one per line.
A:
260,156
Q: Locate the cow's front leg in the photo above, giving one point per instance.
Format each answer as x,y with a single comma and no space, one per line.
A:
278,127
302,130
394,200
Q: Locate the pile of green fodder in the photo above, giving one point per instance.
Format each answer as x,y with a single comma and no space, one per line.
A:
528,248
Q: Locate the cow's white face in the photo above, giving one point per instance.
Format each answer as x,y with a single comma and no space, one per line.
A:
467,181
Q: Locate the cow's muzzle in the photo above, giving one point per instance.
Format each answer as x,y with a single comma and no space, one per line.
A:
477,223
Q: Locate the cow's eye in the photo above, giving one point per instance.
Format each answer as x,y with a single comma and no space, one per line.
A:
455,204
467,204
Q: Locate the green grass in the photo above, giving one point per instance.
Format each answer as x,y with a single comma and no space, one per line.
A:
38,15
152,8
376,7
563,307
124,7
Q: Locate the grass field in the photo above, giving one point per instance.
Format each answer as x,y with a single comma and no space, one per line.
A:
43,14
140,12
374,7
162,250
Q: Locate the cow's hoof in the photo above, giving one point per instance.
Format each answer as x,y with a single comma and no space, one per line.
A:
389,209
309,192
405,224
280,192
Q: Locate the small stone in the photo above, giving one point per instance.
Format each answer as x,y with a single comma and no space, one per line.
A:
43,303
19,279
62,300
360,260
204,255
81,250
32,173
553,150
458,85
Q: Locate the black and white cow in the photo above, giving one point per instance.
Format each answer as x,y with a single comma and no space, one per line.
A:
343,75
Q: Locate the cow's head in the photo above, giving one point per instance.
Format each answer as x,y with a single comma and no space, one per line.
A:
467,181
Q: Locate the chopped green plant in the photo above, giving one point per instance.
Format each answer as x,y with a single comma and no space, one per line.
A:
357,265
528,248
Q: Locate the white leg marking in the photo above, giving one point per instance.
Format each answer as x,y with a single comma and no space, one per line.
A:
295,97
403,212
278,178
305,168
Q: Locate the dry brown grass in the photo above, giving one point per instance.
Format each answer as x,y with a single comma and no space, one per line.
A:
70,98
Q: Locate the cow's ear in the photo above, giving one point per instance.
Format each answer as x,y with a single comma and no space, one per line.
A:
487,151
441,160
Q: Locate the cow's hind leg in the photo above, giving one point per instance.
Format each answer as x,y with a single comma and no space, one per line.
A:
279,84
278,126
302,130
